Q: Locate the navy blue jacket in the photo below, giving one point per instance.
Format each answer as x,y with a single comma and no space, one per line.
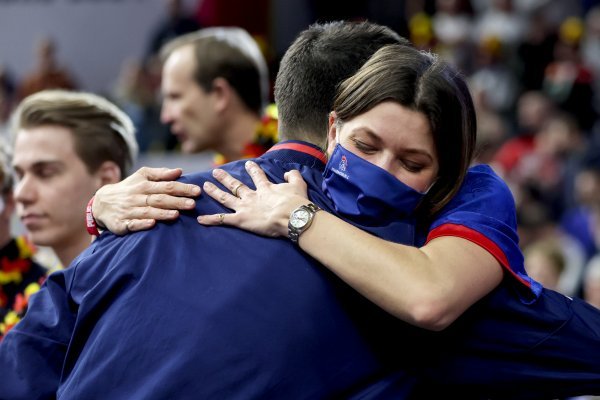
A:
187,311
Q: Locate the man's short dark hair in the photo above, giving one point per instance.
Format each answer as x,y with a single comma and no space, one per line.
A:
319,59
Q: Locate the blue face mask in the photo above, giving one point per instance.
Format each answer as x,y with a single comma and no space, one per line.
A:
365,192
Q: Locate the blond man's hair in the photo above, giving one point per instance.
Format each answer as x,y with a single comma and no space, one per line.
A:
101,131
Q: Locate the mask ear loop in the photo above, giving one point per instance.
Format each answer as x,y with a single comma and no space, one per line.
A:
430,186
338,126
2,203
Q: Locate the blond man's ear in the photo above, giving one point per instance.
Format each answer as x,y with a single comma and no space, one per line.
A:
109,172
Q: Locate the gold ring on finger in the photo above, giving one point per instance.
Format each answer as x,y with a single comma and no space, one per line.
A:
236,190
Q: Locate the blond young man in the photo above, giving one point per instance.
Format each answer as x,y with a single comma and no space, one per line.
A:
66,145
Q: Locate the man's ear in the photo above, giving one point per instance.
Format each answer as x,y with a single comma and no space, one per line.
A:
222,93
109,172
332,132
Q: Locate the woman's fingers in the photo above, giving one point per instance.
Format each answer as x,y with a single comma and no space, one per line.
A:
171,188
219,219
214,219
134,225
134,198
257,174
227,199
295,178
166,202
264,211
159,174
236,187
147,207
158,181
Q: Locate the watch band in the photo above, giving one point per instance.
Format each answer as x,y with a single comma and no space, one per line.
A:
293,232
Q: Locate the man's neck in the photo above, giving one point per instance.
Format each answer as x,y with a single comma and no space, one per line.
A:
239,133
302,135
66,252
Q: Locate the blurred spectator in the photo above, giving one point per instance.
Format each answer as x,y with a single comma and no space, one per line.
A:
501,21
536,51
7,97
567,81
66,146
545,262
591,282
555,11
452,21
492,132
544,169
135,94
47,74
493,79
20,275
590,49
533,110
583,220
421,34
175,23
453,26
215,87
535,226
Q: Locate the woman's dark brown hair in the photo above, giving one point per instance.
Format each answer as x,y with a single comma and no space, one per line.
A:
421,82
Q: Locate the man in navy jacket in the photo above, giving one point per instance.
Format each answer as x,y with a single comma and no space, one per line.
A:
189,311
185,311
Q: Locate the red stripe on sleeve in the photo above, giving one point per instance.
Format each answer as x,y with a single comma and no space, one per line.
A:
479,239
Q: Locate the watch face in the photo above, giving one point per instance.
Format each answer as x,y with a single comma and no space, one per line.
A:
300,218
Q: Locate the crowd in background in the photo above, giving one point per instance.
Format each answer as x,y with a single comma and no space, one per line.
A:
532,67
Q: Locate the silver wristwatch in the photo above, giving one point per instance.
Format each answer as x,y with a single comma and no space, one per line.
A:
300,220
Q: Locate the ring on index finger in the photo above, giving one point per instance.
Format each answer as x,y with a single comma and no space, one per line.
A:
236,190
221,218
127,223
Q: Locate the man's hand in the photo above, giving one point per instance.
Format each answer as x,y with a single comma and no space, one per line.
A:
137,202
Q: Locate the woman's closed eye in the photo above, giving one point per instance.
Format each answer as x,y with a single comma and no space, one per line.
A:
412,166
364,147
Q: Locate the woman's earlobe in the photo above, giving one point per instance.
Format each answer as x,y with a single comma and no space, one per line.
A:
332,118
331,137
